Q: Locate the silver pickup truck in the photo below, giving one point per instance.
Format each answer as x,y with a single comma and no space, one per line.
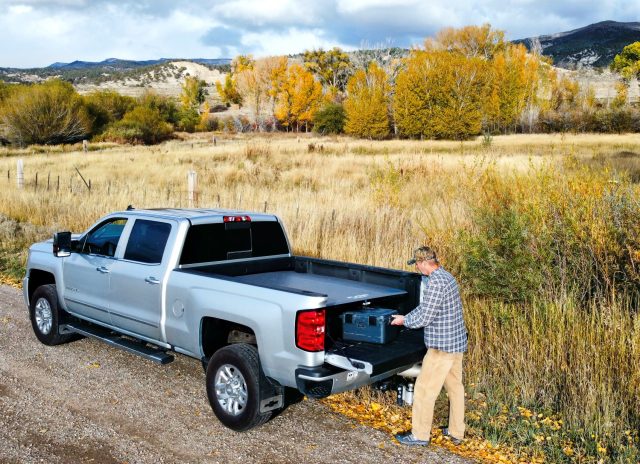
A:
222,287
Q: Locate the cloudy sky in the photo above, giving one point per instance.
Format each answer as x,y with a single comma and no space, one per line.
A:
37,33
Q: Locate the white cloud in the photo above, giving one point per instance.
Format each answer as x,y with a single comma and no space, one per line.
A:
355,6
270,13
39,32
20,9
272,43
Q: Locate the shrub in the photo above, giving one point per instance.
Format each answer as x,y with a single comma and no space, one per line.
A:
553,237
106,107
610,120
165,106
208,123
188,119
48,113
330,119
140,125
5,90
227,124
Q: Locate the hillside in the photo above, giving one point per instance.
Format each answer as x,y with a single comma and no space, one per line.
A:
112,70
594,45
165,79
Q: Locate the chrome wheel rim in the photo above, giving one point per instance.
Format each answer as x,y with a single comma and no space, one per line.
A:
231,389
43,315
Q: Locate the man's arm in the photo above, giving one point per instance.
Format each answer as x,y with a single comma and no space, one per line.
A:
426,311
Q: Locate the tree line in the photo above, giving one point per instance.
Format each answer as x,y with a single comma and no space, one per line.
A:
461,83
458,84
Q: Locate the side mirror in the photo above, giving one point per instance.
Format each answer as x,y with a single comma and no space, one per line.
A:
62,244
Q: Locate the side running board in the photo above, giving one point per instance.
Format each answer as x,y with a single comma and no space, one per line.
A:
118,341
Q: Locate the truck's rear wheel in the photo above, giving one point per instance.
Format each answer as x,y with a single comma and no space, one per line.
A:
234,380
46,316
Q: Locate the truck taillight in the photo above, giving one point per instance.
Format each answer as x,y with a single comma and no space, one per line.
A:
236,218
310,330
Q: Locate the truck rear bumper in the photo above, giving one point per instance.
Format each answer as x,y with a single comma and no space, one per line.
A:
325,380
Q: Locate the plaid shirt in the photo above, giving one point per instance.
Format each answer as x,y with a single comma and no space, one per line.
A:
440,313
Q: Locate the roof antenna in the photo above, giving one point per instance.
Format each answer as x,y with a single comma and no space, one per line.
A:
130,207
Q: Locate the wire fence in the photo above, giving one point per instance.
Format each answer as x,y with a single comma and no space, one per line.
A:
186,196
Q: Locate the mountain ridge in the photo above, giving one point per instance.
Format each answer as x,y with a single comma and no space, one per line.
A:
121,64
593,46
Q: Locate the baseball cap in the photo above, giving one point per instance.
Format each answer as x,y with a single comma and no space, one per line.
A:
421,254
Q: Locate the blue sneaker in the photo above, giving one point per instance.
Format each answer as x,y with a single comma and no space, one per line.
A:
409,439
454,440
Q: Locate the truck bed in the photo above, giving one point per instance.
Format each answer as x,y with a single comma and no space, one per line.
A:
342,283
338,291
347,286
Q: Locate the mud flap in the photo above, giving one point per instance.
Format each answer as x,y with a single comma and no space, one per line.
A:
272,392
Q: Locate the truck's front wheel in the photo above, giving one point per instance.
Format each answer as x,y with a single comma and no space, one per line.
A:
46,316
234,379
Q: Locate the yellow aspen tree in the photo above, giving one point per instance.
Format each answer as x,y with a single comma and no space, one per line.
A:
331,67
627,62
276,67
563,91
254,81
589,100
533,78
497,75
441,95
470,41
299,98
242,62
367,103
622,95
229,91
511,80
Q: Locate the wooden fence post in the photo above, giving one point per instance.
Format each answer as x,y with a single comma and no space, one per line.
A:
20,176
192,183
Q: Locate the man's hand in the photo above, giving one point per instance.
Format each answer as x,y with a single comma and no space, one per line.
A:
398,319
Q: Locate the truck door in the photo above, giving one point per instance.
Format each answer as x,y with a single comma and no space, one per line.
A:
86,271
137,279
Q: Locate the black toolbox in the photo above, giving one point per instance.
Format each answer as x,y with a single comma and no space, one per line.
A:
371,325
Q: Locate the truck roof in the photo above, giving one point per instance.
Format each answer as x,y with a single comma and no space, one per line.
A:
198,215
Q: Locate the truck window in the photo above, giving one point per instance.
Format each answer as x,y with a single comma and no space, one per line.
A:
206,243
147,241
103,240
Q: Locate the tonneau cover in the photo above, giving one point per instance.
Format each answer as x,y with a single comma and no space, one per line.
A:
338,291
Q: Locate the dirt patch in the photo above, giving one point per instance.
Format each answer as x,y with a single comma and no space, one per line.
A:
626,155
4,392
91,452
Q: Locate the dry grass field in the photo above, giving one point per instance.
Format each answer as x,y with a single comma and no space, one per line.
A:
539,229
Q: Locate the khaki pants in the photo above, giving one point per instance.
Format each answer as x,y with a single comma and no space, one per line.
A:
438,368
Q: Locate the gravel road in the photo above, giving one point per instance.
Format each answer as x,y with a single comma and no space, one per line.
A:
88,402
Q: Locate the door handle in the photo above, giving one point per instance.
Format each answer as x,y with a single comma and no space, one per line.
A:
152,280
103,270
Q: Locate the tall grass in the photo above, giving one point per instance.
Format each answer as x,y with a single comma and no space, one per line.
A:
542,231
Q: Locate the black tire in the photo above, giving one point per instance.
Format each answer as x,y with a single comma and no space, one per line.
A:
46,316
237,359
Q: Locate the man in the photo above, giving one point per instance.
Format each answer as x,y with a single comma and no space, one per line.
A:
445,335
